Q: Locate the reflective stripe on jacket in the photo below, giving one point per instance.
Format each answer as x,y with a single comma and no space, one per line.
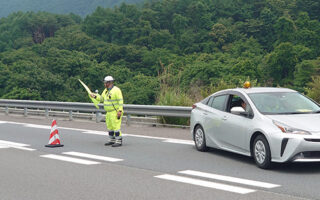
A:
112,99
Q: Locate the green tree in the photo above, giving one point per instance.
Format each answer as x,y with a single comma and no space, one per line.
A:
280,64
179,23
140,90
304,72
285,29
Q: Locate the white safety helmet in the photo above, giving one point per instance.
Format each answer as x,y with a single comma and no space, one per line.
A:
108,78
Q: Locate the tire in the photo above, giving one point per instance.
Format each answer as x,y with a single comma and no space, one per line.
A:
261,152
200,139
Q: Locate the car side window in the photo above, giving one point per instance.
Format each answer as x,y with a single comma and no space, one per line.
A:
205,101
219,102
209,102
237,101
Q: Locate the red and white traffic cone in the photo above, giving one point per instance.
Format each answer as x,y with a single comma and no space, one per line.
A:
54,140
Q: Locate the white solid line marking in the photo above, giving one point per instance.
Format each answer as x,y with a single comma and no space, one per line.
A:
3,142
176,141
37,126
69,159
145,136
23,148
229,179
306,160
169,140
94,132
104,133
208,184
85,155
11,122
3,146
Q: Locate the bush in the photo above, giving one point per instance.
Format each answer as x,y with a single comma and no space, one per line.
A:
313,90
173,97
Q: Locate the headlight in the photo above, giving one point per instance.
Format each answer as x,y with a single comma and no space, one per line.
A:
288,129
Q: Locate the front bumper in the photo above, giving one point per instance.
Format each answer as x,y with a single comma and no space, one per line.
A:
307,156
296,148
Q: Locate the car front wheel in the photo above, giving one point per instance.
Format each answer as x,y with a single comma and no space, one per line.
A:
200,139
261,152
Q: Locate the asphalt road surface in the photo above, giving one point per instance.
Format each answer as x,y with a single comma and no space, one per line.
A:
153,163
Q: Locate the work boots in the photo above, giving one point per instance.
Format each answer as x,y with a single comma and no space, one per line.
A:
108,143
111,142
118,142
112,139
115,140
116,145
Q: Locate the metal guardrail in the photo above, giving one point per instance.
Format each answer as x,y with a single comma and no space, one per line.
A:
129,109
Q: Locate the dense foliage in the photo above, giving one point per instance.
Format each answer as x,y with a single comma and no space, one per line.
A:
165,52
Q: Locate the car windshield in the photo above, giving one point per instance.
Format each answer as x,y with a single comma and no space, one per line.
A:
283,103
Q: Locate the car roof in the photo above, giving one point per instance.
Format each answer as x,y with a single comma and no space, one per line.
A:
258,90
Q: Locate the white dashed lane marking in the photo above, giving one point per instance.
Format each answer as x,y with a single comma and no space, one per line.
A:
3,146
70,159
229,179
96,157
23,148
9,144
219,186
215,185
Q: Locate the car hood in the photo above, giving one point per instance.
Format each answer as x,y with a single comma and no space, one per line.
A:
308,122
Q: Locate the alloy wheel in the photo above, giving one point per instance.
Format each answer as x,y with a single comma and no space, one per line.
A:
199,137
260,152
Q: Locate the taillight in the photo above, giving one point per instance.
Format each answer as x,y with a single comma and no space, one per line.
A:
194,106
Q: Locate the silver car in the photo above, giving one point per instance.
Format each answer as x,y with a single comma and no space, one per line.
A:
269,124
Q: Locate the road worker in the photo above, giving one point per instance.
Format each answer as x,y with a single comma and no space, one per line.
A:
112,99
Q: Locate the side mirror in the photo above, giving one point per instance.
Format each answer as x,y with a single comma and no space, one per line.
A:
239,111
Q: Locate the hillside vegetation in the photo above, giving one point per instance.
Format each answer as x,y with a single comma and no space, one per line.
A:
172,52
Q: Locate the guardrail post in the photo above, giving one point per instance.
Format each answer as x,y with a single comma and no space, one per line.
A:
25,112
98,117
70,115
7,110
128,120
47,113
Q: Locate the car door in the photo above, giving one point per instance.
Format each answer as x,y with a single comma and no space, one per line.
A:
213,119
235,128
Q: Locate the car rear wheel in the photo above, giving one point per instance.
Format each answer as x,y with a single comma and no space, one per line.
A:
200,139
261,152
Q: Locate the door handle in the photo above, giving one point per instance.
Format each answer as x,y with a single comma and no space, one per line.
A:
224,118
205,113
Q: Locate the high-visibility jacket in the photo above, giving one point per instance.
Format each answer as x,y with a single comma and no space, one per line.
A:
112,99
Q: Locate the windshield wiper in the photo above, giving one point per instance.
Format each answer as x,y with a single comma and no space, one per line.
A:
288,113
294,113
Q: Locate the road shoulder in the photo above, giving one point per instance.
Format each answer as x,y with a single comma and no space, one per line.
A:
147,130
